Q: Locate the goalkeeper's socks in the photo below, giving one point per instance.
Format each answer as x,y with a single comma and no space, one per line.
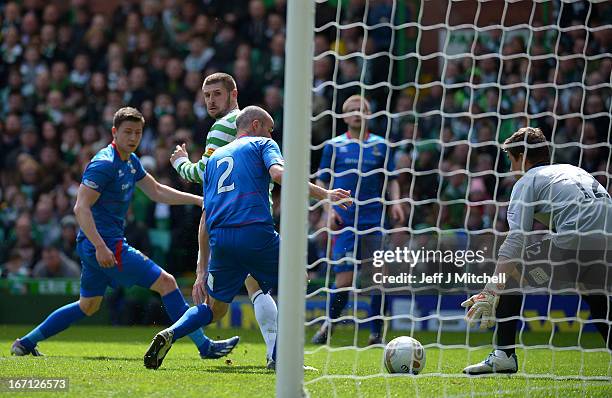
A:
59,320
601,312
266,314
509,306
337,302
194,318
176,306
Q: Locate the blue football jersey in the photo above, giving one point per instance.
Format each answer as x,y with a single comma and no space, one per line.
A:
363,178
236,182
114,179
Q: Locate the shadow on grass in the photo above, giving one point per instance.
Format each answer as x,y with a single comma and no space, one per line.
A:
105,358
250,369
228,369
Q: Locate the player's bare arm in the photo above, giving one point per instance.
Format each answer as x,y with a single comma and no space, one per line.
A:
86,197
335,221
164,194
338,196
397,212
198,291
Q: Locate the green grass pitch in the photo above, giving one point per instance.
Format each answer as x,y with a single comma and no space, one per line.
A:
107,362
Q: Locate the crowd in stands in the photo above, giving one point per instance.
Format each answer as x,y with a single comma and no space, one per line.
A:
65,71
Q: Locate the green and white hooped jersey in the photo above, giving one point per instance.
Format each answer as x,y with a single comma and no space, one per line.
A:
222,132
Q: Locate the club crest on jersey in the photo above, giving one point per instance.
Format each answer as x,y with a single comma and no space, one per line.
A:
376,151
343,149
210,151
120,173
132,169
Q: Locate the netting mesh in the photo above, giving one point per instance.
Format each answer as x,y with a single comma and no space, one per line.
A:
447,83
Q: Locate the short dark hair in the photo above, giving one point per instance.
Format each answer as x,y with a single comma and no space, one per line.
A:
127,114
531,142
227,80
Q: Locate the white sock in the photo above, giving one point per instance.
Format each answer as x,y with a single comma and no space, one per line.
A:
266,315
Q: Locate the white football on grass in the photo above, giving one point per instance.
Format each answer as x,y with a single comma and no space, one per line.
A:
404,355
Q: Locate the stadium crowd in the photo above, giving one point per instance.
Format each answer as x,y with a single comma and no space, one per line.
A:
65,71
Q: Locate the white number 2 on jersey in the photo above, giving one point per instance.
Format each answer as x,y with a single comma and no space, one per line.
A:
230,165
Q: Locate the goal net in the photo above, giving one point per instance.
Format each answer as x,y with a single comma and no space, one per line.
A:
447,82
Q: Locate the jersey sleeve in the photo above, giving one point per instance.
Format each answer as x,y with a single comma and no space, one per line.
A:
220,134
271,154
97,175
140,171
325,163
520,217
194,172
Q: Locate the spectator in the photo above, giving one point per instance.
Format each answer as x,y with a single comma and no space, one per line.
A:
54,264
250,90
14,266
11,49
68,240
21,239
45,226
199,54
254,27
273,103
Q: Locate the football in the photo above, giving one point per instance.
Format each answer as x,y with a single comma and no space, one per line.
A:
404,355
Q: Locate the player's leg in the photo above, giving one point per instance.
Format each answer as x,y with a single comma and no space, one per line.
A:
342,247
175,306
261,261
266,313
503,358
225,279
378,302
93,286
379,305
58,321
337,302
192,320
135,268
596,284
601,309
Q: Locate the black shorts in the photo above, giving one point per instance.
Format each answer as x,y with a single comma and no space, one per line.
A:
551,268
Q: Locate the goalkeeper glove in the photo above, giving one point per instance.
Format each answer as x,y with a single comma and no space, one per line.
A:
482,306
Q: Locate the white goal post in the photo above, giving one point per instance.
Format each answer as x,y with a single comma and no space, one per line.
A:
294,205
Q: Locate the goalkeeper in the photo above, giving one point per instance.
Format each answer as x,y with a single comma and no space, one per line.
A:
221,97
361,164
578,211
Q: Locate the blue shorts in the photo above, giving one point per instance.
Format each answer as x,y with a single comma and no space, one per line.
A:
343,245
237,252
133,268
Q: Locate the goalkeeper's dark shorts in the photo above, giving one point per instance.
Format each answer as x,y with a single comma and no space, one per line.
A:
548,267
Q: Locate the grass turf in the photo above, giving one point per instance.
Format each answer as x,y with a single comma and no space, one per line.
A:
107,361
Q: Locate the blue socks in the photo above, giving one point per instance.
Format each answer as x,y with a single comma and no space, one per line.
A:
194,318
174,302
59,320
176,306
376,308
337,302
